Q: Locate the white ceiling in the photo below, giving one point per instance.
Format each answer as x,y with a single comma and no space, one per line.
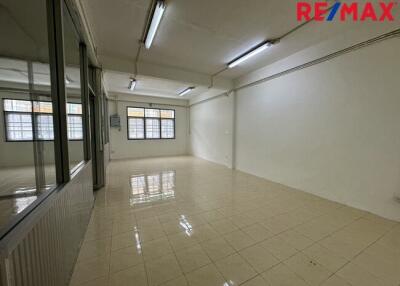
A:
195,40
199,37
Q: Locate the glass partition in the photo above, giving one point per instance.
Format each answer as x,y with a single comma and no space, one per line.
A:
27,161
73,91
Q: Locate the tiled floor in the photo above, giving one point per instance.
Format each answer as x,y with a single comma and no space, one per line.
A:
185,221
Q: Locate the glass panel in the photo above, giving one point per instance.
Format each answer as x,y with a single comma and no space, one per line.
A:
136,128
152,128
42,107
167,113
75,129
136,112
27,168
19,127
74,108
45,129
74,94
152,112
167,128
17,105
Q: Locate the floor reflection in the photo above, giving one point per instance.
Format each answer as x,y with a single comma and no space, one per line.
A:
18,190
184,223
12,207
137,240
152,187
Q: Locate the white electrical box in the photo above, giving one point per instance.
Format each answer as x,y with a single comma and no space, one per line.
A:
115,121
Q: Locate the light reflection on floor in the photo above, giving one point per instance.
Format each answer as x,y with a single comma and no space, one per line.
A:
184,223
152,187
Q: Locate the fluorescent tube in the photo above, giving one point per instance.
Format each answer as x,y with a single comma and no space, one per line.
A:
186,91
155,22
249,54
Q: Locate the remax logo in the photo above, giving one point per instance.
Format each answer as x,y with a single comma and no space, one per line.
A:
355,11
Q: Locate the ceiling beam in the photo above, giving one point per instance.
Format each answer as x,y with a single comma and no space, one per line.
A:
164,72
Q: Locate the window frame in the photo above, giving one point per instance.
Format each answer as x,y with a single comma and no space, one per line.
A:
144,127
32,114
144,121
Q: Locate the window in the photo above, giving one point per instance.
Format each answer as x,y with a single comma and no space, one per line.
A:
45,129
75,122
136,128
21,115
152,128
167,128
19,126
150,123
75,128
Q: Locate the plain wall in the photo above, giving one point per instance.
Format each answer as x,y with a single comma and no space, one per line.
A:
122,148
211,130
332,129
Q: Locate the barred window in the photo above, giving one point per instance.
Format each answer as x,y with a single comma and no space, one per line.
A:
75,127
19,126
152,128
150,123
23,117
45,129
136,128
167,128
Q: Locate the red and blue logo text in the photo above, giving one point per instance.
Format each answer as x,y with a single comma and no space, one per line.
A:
353,11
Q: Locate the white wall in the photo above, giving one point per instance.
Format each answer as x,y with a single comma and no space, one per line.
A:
332,129
211,130
122,148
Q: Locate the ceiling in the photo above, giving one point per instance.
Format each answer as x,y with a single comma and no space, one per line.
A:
117,82
195,40
23,24
201,36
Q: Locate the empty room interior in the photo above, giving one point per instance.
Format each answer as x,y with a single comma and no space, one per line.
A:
199,143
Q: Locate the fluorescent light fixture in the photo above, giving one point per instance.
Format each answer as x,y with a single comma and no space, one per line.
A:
186,91
155,22
249,54
132,84
67,80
